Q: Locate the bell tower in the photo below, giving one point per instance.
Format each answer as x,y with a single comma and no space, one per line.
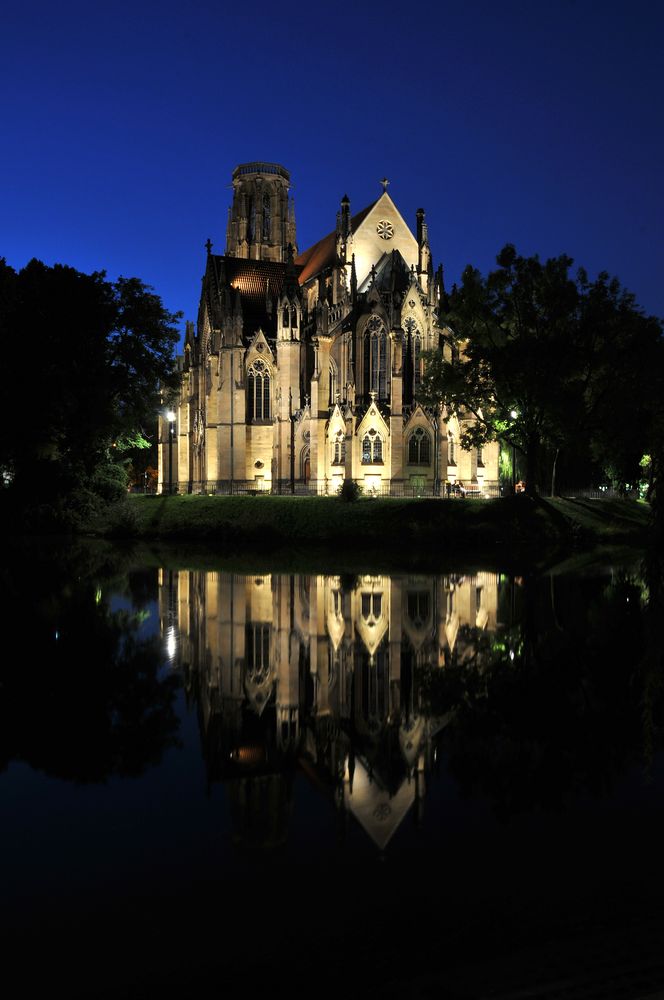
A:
261,221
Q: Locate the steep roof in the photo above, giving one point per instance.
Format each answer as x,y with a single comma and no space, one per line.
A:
321,254
391,274
256,280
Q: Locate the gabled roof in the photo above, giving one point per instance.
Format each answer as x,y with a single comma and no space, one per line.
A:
392,274
321,254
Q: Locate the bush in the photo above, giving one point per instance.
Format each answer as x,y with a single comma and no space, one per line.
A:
349,491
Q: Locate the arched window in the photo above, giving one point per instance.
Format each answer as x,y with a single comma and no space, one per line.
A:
339,449
333,383
305,464
251,221
419,447
267,217
372,448
258,391
286,318
451,449
415,364
375,358
480,457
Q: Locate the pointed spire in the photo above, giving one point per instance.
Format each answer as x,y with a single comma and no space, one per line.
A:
291,286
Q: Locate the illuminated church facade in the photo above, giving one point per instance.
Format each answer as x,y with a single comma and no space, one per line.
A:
304,369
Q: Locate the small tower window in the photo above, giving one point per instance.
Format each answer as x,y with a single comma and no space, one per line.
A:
451,449
267,218
339,449
251,221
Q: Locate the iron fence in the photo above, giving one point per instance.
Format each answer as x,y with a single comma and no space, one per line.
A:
328,487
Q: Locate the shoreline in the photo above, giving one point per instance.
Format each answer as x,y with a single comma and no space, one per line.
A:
383,532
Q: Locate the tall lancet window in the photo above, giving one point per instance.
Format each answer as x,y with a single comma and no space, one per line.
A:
414,355
267,217
333,383
251,221
375,358
258,391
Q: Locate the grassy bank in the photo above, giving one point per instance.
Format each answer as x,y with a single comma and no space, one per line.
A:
405,530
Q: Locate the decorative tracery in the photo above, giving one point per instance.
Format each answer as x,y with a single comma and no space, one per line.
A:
258,391
267,217
414,354
339,449
372,448
375,357
419,447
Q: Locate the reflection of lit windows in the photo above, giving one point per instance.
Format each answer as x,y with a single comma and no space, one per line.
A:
449,605
372,448
419,447
258,391
418,607
372,605
478,598
258,652
337,602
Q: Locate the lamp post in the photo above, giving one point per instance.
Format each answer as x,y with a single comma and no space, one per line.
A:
170,416
513,414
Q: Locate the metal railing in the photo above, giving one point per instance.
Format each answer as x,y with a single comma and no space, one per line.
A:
328,487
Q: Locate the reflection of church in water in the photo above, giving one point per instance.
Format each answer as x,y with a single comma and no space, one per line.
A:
322,672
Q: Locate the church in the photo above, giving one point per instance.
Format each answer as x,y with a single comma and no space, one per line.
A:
304,368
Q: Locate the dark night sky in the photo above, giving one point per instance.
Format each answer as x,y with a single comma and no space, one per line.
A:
523,121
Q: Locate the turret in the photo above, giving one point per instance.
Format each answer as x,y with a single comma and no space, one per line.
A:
261,223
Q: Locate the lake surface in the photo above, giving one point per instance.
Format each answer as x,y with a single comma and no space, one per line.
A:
224,779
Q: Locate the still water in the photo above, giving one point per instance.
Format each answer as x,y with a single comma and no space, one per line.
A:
219,778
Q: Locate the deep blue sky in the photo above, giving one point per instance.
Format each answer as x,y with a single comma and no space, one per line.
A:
538,123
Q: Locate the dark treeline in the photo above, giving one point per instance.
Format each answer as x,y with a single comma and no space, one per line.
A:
567,371
89,357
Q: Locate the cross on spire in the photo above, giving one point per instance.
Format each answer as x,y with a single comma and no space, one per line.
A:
208,245
384,182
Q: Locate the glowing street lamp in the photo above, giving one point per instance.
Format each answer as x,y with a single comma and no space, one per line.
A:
513,414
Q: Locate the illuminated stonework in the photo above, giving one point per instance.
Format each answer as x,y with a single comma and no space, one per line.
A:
304,372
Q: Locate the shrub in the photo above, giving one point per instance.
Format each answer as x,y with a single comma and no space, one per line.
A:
349,491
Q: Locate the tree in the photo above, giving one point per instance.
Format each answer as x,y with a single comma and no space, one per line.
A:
532,354
89,359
